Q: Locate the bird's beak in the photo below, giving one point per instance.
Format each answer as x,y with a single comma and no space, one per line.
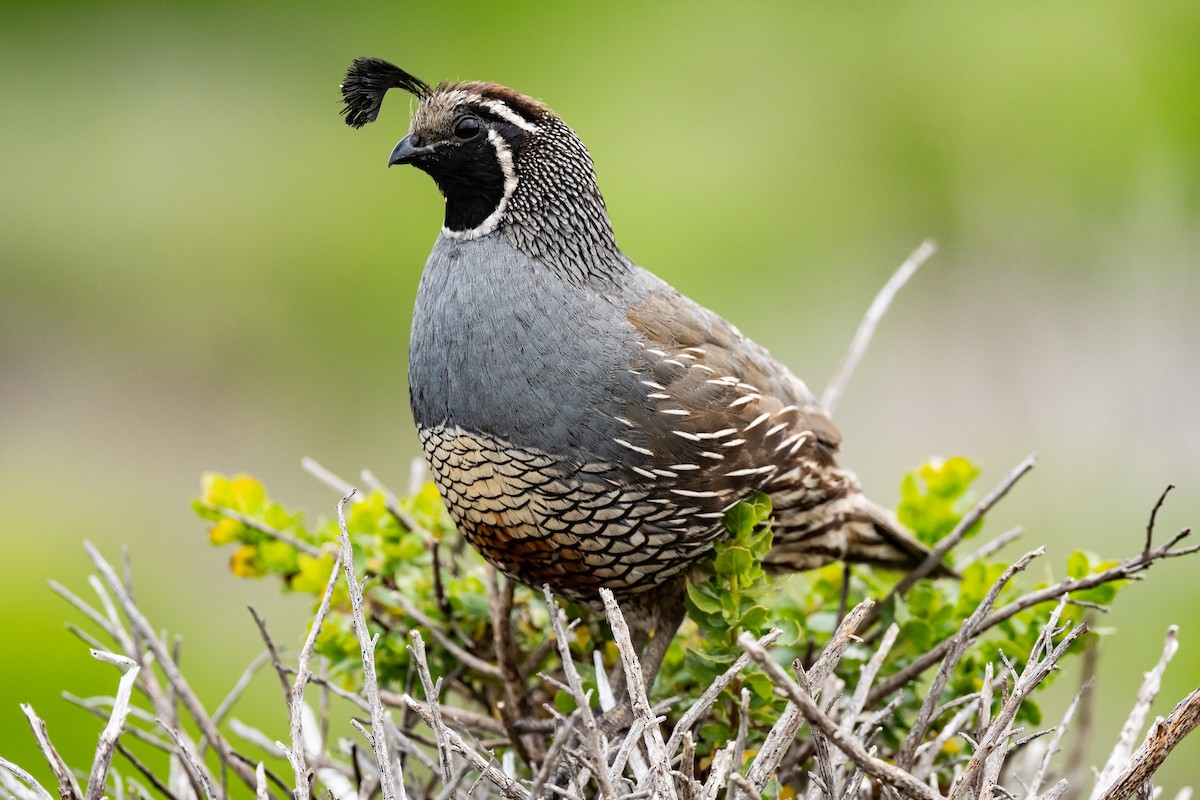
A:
406,152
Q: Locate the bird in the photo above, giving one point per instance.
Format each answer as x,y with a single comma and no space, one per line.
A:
587,425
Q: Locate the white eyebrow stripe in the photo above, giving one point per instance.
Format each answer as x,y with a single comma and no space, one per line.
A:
505,112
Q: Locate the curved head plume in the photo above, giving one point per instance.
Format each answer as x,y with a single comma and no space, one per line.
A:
367,81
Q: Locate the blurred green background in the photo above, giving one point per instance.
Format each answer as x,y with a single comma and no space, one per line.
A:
202,268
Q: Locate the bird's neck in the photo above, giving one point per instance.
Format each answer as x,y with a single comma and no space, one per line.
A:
556,213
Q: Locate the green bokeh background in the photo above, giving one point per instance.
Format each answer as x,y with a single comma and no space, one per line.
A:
202,268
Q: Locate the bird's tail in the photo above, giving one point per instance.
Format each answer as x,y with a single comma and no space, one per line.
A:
847,527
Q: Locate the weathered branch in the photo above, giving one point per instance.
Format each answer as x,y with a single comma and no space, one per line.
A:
866,329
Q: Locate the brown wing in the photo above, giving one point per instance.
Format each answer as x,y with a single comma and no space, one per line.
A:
726,420
712,418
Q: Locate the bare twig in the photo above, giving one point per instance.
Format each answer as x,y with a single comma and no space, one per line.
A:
115,632
866,328
702,705
1035,783
112,731
198,774
1044,658
1154,516
260,782
825,775
1128,568
929,751
295,755
1160,741
391,786
1151,683
889,774
988,548
1121,757
240,686
565,730
96,707
327,477
867,675
29,780
486,766
961,640
432,696
743,730
718,772
146,773
265,529
656,752
280,670
170,669
1077,769
591,731
517,704
783,732
67,785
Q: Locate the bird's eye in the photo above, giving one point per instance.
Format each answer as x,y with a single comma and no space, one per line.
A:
467,128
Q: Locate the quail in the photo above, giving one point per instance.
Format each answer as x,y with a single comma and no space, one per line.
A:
587,425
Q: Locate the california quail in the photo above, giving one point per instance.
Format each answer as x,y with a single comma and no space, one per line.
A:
587,424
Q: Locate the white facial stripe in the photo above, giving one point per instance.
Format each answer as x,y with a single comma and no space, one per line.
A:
501,110
505,159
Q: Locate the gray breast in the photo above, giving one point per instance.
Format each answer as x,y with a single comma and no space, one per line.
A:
503,346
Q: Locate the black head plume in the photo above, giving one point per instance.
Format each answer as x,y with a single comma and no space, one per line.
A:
367,81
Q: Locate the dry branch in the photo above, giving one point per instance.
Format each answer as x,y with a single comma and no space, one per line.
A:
875,313
891,775
391,786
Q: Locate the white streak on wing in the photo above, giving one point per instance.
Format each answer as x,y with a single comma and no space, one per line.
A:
690,493
761,418
634,447
738,473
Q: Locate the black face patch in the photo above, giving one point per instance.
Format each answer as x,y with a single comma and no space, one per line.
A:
469,171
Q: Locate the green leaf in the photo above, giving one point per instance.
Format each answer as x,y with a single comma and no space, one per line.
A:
759,684
1078,564
702,599
733,561
930,498
741,519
